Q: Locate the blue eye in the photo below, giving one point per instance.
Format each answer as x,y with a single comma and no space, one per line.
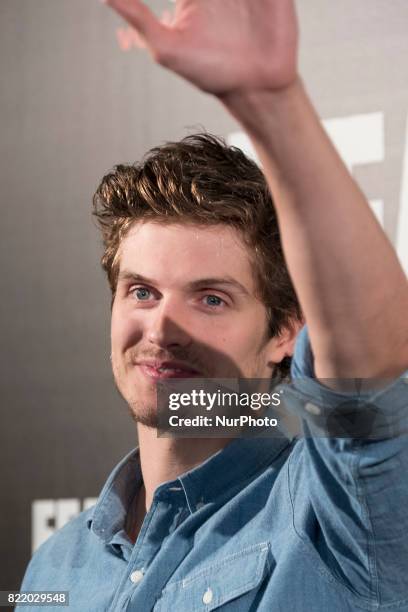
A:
213,300
141,293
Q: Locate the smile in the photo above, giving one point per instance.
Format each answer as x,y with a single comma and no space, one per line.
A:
163,372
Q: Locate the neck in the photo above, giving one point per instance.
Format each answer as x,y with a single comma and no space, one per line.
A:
164,459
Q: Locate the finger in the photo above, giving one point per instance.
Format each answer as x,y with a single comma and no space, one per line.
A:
139,40
167,17
151,31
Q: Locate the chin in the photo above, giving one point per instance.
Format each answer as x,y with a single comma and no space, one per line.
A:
143,412
147,420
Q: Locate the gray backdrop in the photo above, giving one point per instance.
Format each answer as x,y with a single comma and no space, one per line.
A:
76,97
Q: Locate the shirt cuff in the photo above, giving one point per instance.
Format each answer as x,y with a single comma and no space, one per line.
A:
356,412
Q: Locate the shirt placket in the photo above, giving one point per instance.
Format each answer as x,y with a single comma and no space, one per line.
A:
167,509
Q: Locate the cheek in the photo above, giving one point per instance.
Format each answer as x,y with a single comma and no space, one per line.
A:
243,342
240,331
125,331
247,346
251,345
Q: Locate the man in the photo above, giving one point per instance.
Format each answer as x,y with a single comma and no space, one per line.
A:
259,524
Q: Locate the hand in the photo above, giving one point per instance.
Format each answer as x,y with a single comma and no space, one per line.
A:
221,46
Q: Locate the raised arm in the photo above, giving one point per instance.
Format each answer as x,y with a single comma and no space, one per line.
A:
351,286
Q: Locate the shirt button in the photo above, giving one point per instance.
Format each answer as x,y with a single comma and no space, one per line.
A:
312,408
208,596
136,576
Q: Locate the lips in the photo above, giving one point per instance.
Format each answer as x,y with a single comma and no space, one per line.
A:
167,369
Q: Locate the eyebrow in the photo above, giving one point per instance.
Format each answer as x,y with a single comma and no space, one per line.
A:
201,283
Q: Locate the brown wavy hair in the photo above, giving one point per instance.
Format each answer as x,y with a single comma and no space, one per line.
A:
203,181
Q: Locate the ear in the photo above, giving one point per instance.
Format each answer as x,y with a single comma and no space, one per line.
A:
283,345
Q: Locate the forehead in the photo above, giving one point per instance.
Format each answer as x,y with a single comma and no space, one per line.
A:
184,252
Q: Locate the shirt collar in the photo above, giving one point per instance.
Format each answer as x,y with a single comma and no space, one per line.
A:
109,513
222,474
227,471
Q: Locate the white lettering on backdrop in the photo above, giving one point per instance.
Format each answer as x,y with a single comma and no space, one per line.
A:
48,515
359,140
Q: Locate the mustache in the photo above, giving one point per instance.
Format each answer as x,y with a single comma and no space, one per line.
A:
187,359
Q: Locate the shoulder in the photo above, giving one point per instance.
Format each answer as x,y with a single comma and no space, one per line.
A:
67,547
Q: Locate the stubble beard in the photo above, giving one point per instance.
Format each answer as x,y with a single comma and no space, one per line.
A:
145,412
141,411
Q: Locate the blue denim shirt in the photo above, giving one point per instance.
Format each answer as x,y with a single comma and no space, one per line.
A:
315,523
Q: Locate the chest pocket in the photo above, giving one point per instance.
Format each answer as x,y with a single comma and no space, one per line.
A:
235,576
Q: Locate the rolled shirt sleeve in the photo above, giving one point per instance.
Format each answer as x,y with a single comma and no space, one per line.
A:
354,462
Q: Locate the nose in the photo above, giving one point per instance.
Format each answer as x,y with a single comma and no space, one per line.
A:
165,328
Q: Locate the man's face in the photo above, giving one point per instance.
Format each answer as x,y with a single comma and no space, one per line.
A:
185,306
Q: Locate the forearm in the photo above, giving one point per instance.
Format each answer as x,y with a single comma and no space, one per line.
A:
352,290
351,287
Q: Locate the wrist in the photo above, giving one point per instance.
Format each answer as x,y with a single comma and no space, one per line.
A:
252,107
